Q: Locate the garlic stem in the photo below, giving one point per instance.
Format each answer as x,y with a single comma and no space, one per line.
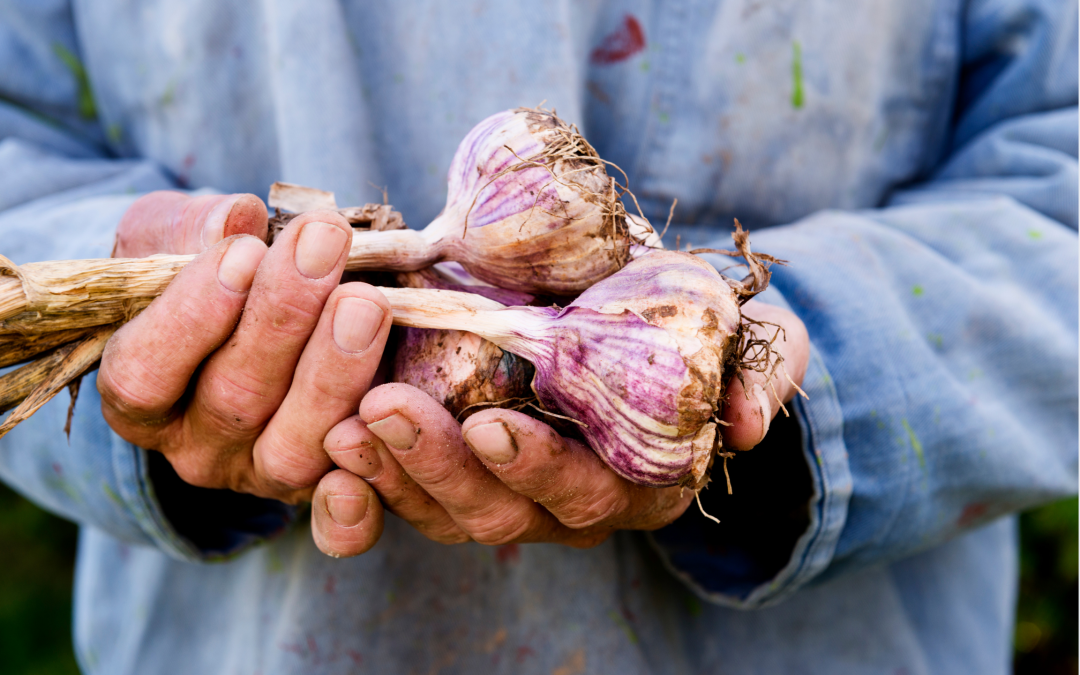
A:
66,294
638,359
12,298
402,250
450,310
516,329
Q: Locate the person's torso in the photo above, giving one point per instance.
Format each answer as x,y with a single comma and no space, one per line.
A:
761,111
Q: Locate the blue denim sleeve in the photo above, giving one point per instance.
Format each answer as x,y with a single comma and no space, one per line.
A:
61,197
943,374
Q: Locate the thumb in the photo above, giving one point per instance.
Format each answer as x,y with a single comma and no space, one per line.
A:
748,411
755,397
172,222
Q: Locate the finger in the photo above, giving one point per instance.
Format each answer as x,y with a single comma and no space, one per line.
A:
246,380
353,448
148,363
755,398
565,476
333,374
346,517
172,222
427,442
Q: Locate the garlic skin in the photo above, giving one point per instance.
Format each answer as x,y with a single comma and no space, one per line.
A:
638,360
544,217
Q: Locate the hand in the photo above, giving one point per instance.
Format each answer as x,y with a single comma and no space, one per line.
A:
503,477
238,371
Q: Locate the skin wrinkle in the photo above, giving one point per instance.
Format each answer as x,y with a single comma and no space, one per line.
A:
124,402
291,320
228,409
279,463
603,509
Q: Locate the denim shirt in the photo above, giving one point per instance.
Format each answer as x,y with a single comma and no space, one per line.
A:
916,162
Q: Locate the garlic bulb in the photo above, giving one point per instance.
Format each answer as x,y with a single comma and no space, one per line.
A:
530,207
640,361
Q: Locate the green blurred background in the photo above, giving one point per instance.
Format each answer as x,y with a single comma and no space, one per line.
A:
38,552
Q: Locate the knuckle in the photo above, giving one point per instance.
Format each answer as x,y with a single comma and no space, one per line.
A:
595,509
497,532
228,399
333,389
434,472
199,473
132,392
189,326
282,473
291,315
291,470
447,535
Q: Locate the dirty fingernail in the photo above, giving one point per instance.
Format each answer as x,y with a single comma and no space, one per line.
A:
237,267
347,510
214,226
492,442
319,248
395,431
362,460
368,464
356,323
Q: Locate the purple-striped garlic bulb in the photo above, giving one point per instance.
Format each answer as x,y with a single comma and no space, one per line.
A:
460,370
638,360
530,207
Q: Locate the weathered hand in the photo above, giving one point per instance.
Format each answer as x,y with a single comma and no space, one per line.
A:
238,371
503,477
